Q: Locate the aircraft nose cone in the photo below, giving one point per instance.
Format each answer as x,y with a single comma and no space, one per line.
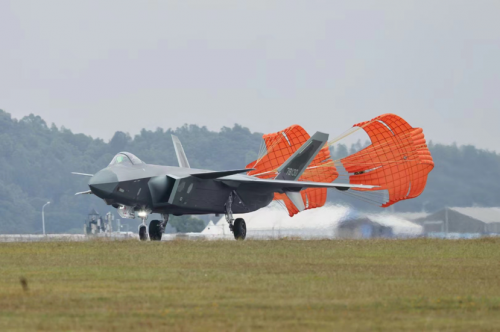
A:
103,183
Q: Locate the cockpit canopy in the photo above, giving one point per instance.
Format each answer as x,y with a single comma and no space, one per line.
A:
126,159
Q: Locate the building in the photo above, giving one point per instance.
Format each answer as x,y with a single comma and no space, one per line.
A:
362,228
468,220
379,225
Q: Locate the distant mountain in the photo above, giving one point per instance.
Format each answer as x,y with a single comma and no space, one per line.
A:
36,161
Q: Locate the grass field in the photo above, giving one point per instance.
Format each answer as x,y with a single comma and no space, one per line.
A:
379,285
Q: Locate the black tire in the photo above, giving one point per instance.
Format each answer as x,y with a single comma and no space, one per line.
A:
143,233
240,229
154,230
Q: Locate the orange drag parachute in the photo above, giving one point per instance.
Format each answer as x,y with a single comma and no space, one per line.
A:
277,148
397,161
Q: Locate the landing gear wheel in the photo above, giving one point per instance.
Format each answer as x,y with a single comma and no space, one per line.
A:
155,230
240,229
143,233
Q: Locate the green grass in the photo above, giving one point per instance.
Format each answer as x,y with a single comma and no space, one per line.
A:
379,285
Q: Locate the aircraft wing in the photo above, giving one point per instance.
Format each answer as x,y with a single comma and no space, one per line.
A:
88,192
219,174
84,174
287,185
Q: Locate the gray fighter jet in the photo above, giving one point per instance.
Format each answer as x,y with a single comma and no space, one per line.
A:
136,188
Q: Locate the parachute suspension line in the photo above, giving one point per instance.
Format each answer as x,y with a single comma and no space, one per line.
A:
349,132
275,142
346,133
388,145
378,162
375,196
354,129
366,200
408,155
262,150
281,204
263,173
338,163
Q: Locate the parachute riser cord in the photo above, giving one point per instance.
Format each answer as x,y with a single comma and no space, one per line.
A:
282,205
380,152
376,147
276,140
349,132
378,201
387,143
264,173
366,200
339,162
268,150
262,150
382,162
376,195
343,135
380,197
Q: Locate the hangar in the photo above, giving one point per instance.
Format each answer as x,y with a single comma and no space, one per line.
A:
463,220
377,225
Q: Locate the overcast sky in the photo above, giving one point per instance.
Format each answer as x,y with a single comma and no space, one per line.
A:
100,66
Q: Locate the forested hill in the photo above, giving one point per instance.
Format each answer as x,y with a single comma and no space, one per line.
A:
36,161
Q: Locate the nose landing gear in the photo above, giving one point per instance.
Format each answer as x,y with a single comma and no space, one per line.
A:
239,227
143,233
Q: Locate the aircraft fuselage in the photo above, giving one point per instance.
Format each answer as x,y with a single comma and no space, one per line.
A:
172,190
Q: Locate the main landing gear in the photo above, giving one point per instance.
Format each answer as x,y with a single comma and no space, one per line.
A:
156,229
239,227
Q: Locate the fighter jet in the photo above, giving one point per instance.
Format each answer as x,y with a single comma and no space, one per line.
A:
136,188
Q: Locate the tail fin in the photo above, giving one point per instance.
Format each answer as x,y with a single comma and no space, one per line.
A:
179,151
293,168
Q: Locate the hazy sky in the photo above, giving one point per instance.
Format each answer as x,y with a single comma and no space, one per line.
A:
101,66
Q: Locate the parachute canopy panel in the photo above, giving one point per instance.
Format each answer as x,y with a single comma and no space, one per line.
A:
398,159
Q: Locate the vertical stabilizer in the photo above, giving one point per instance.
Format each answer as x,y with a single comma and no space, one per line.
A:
179,151
293,168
